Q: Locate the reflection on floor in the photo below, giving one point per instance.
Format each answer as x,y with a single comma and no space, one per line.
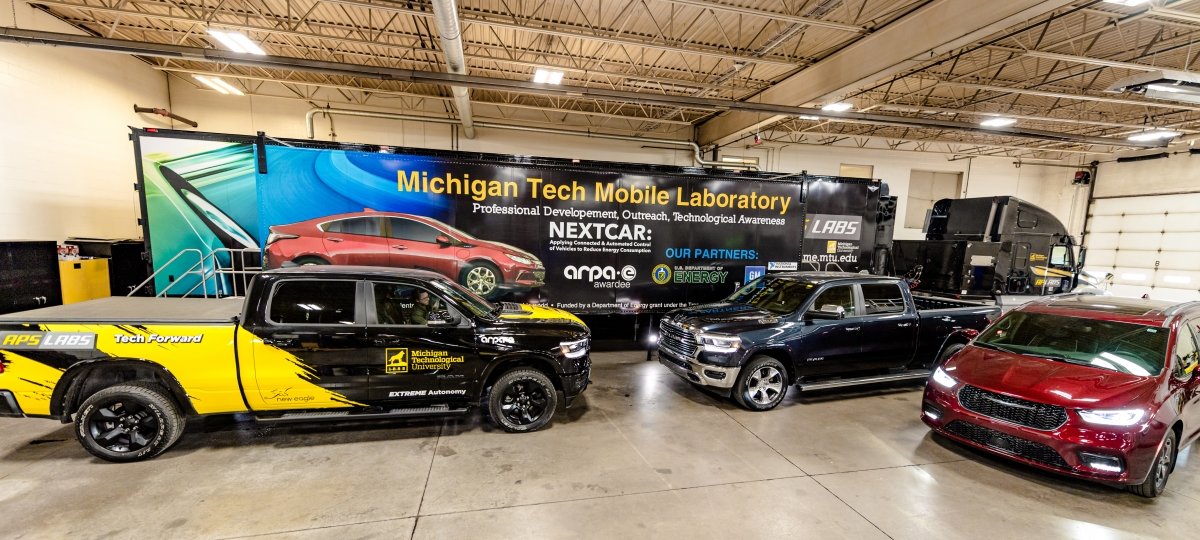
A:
642,455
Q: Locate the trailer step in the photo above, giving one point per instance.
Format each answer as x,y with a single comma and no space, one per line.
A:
911,375
315,416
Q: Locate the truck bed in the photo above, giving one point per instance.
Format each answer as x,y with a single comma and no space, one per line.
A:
122,309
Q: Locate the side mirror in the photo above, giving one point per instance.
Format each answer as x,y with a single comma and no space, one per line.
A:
826,312
444,240
442,319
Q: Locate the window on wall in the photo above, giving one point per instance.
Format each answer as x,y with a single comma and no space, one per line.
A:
926,188
857,171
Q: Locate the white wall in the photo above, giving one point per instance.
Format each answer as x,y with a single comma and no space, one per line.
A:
1179,173
66,164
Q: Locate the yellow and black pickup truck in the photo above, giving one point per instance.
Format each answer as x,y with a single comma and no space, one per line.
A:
308,343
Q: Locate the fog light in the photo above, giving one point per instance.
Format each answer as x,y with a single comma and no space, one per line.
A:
1103,463
718,375
932,412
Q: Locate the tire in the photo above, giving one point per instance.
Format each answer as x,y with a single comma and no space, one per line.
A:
145,408
761,385
1160,471
949,351
310,261
522,400
482,278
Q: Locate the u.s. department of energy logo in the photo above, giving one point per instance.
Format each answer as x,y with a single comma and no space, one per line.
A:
397,361
661,274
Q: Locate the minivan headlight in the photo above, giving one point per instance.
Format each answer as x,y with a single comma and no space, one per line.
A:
1112,417
941,377
574,349
720,343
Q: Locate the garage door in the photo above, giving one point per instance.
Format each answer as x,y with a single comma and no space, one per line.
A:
1150,244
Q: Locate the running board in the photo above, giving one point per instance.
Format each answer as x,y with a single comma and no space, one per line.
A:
316,416
842,383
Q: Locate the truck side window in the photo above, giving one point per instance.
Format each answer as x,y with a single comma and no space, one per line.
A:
879,298
1058,255
313,302
1185,349
404,304
838,296
366,226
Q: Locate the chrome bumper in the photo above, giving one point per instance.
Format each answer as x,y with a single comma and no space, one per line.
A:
697,373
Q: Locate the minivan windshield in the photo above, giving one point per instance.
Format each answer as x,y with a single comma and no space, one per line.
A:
1135,349
777,295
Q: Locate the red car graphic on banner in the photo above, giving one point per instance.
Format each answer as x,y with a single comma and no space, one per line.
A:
371,238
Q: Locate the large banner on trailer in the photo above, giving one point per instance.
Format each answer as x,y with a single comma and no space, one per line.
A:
587,237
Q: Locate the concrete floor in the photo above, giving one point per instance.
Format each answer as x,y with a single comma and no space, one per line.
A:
642,455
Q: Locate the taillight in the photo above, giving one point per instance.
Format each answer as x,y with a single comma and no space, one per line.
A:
277,236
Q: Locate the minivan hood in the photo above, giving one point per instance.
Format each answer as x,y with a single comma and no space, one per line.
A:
723,317
1049,381
506,248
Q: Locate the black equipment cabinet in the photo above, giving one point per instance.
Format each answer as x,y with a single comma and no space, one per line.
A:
28,275
127,266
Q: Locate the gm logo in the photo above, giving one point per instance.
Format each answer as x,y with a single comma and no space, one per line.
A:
661,274
397,361
754,272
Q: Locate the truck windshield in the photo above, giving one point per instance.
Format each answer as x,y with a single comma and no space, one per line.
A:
465,298
1135,349
777,295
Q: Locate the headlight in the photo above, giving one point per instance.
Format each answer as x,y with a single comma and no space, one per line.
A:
941,377
720,343
519,259
574,349
1114,417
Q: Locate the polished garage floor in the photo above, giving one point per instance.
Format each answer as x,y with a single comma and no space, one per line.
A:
642,455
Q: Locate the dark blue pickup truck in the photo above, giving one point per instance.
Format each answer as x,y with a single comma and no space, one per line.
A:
816,330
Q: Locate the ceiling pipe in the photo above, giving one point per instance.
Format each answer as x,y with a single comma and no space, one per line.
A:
445,14
162,50
696,153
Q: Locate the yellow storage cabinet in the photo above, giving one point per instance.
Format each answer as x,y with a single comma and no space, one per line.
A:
83,279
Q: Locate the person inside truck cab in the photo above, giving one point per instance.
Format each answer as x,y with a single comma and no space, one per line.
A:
396,304
422,308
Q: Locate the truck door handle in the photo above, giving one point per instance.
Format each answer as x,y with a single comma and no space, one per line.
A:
334,239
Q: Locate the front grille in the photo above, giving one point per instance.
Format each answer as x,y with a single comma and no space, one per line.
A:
676,340
1008,444
1011,409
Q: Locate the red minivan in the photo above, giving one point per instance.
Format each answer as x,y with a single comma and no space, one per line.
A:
1096,387
371,238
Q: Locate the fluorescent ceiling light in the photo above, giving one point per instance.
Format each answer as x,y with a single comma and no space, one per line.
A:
998,121
1164,88
219,84
547,76
808,117
236,42
840,106
1127,2
1153,135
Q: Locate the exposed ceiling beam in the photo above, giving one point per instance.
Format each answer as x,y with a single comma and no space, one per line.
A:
773,15
508,85
1079,97
902,44
1053,119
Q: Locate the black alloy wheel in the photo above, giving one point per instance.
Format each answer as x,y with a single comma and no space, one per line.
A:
522,400
128,422
123,425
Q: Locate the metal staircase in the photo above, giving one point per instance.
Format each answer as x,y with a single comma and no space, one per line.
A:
221,273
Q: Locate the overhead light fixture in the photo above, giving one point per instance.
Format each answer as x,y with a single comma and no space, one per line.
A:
1156,135
547,76
808,117
1127,2
998,121
219,84
1161,84
236,42
840,106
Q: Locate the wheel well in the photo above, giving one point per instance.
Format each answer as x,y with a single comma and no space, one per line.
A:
83,381
308,256
783,358
506,365
1178,429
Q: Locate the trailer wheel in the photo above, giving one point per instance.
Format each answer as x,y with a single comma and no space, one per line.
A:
761,385
522,400
128,422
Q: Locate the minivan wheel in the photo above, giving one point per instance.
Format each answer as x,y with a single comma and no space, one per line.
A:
761,385
1164,463
128,422
949,351
310,261
482,279
522,400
